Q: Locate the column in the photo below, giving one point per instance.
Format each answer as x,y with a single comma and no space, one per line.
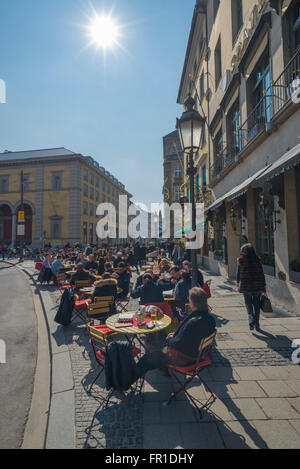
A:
14,229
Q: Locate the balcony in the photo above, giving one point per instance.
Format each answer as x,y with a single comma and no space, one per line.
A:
224,159
286,84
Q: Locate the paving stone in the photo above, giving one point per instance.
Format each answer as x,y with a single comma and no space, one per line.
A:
278,434
295,385
277,388
221,374
247,389
245,409
277,408
201,436
241,435
295,403
249,373
162,436
178,411
151,412
296,425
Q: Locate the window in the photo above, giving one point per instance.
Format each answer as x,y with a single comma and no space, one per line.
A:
201,86
178,172
92,179
97,198
113,192
216,4
4,184
264,233
291,27
97,182
85,175
103,187
92,193
218,144
85,208
297,175
237,18
91,233
108,189
177,193
91,210
56,181
55,229
234,122
218,63
84,232
85,190
204,175
203,135
103,198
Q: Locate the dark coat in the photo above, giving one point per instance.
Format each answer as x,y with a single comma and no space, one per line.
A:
80,275
250,275
182,290
105,287
65,310
119,366
124,282
187,337
153,293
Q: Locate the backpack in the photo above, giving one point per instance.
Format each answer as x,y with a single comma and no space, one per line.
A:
65,310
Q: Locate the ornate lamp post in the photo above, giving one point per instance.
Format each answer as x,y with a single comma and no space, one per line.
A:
190,127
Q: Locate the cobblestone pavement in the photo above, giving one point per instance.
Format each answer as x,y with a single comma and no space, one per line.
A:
252,374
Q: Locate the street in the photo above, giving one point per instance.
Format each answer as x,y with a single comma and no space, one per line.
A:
18,330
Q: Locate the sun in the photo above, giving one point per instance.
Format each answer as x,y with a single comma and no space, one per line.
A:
104,32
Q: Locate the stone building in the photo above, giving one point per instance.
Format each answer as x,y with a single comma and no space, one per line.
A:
249,52
173,172
62,190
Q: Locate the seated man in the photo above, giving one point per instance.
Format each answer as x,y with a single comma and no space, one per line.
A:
123,278
90,264
57,267
81,274
183,346
187,267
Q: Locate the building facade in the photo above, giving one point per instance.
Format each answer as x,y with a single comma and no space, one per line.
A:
62,190
251,60
173,188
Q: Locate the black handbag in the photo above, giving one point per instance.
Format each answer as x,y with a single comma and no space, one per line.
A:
265,304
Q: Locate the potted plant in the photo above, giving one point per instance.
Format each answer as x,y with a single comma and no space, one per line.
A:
295,271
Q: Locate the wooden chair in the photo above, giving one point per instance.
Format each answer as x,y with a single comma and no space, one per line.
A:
82,284
80,308
194,371
101,308
100,337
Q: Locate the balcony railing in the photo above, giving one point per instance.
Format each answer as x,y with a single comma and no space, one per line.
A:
286,84
279,95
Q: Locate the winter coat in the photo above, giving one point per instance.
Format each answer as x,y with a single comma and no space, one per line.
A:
124,282
187,337
182,290
105,287
153,293
250,275
119,366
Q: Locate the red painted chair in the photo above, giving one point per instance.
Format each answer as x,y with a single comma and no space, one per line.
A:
99,339
194,371
165,307
38,266
80,308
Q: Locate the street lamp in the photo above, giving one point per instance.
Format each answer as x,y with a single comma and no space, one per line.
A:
190,127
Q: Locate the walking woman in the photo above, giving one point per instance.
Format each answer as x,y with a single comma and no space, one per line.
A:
251,282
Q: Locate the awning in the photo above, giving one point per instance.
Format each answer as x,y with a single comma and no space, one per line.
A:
288,160
238,190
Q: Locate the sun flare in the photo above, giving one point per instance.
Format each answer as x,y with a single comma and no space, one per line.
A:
104,32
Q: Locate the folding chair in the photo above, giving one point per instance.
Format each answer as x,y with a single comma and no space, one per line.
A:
122,304
38,266
99,339
193,371
101,307
79,310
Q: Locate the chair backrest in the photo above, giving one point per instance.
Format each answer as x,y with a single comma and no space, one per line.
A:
102,307
206,345
61,277
97,335
109,299
39,266
82,283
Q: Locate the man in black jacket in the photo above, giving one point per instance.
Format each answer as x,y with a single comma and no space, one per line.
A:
123,278
183,346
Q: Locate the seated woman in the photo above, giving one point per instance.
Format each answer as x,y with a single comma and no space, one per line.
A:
182,289
149,291
107,286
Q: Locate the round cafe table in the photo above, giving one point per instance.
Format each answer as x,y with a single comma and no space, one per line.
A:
164,322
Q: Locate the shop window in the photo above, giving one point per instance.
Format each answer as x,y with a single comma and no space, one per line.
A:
264,230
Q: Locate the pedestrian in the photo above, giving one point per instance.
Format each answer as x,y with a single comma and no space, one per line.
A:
2,251
251,282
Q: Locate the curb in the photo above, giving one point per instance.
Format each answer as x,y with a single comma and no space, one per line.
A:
51,421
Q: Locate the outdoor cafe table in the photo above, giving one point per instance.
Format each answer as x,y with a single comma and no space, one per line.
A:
88,291
136,331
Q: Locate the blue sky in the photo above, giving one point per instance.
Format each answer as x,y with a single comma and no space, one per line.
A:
62,93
